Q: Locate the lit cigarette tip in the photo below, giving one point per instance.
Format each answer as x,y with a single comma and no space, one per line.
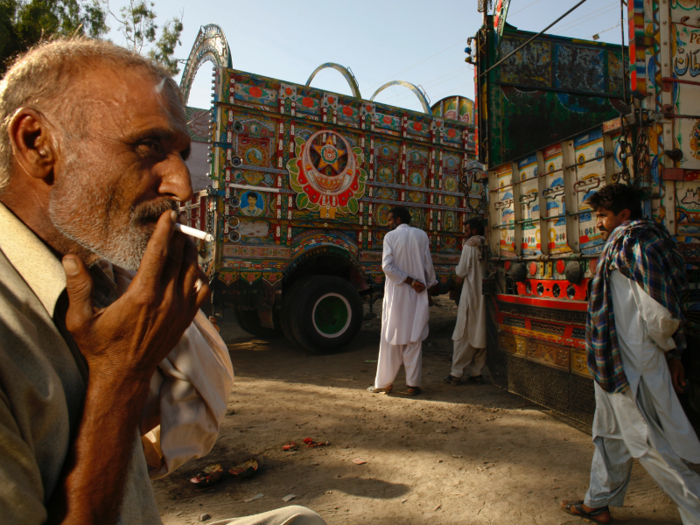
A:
192,232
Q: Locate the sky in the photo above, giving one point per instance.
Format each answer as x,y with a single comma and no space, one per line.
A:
418,41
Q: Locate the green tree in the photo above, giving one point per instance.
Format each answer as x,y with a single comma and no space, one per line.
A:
139,28
24,23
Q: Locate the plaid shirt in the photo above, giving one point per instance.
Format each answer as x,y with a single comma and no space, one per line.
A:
645,253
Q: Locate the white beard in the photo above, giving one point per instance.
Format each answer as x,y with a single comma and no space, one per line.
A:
80,210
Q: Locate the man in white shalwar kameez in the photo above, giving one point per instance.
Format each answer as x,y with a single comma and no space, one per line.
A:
408,266
634,349
470,331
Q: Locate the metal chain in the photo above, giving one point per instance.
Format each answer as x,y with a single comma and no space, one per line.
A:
624,154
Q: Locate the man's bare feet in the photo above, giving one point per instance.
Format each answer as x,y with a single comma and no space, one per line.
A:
577,508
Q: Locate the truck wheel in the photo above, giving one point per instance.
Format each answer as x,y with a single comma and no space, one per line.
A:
326,314
288,304
250,322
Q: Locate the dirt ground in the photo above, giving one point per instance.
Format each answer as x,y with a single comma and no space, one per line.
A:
454,455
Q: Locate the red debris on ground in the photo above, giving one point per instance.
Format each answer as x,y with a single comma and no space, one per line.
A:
310,443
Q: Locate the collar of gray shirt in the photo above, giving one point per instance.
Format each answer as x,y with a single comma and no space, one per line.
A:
42,270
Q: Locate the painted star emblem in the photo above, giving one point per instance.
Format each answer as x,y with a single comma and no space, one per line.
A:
329,155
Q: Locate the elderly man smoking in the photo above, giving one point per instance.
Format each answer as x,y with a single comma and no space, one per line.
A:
93,140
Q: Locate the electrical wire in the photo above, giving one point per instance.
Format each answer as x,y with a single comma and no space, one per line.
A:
395,75
608,29
567,28
411,95
523,9
531,39
460,71
587,17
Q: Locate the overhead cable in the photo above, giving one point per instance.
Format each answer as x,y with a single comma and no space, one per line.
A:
587,17
410,95
460,41
523,9
533,38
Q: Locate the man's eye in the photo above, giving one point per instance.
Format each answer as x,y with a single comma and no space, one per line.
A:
151,145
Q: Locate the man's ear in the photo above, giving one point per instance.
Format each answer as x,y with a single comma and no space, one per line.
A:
32,141
625,215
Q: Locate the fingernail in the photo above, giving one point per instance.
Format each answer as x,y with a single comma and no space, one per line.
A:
70,266
173,215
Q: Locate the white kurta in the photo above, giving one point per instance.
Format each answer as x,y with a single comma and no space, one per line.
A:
188,394
471,314
646,421
405,312
406,253
644,332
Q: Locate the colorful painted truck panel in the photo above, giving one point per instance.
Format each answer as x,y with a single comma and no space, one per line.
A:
638,128
550,90
305,179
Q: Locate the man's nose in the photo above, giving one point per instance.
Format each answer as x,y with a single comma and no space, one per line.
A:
176,180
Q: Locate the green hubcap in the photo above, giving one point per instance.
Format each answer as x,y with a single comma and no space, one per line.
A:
331,315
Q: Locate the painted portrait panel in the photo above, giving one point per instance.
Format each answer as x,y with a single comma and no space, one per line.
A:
252,204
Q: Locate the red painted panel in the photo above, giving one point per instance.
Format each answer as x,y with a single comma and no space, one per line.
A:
580,306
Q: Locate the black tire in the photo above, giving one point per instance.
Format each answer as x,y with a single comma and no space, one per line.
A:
288,304
326,314
250,322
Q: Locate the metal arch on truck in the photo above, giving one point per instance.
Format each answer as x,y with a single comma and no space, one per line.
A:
210,44
347,74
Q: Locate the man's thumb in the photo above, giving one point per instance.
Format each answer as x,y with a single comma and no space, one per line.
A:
79,288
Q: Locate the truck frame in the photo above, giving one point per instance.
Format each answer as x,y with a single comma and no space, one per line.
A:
302,180
604,114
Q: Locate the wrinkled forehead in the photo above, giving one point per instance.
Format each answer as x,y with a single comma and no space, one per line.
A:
127,98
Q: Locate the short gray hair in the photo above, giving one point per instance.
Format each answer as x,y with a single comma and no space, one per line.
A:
42,78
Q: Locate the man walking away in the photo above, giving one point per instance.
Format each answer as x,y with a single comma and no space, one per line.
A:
634,337
408,266
470,331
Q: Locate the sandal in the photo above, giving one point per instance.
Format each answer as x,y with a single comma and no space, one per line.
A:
413,390
452,380
373,390
477,380
594,515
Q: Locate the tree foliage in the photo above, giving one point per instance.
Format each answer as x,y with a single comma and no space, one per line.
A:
138,25
24,23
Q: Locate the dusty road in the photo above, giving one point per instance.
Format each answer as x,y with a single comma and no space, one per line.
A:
455,455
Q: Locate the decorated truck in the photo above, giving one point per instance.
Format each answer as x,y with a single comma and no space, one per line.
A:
301,183
558,120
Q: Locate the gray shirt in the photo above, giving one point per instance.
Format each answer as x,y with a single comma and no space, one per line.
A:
42,383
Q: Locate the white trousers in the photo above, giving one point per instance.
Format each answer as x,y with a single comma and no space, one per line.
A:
292,515
611,468
391,357
464,355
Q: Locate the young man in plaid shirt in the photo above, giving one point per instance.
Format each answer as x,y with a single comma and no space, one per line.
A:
634,337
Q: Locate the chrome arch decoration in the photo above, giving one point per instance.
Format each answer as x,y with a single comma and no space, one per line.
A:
343,71
421,96
210,45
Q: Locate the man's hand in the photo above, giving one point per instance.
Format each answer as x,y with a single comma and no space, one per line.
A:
133,335
122,345
418,286
677,374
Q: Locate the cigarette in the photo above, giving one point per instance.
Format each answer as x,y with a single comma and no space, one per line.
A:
194,232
